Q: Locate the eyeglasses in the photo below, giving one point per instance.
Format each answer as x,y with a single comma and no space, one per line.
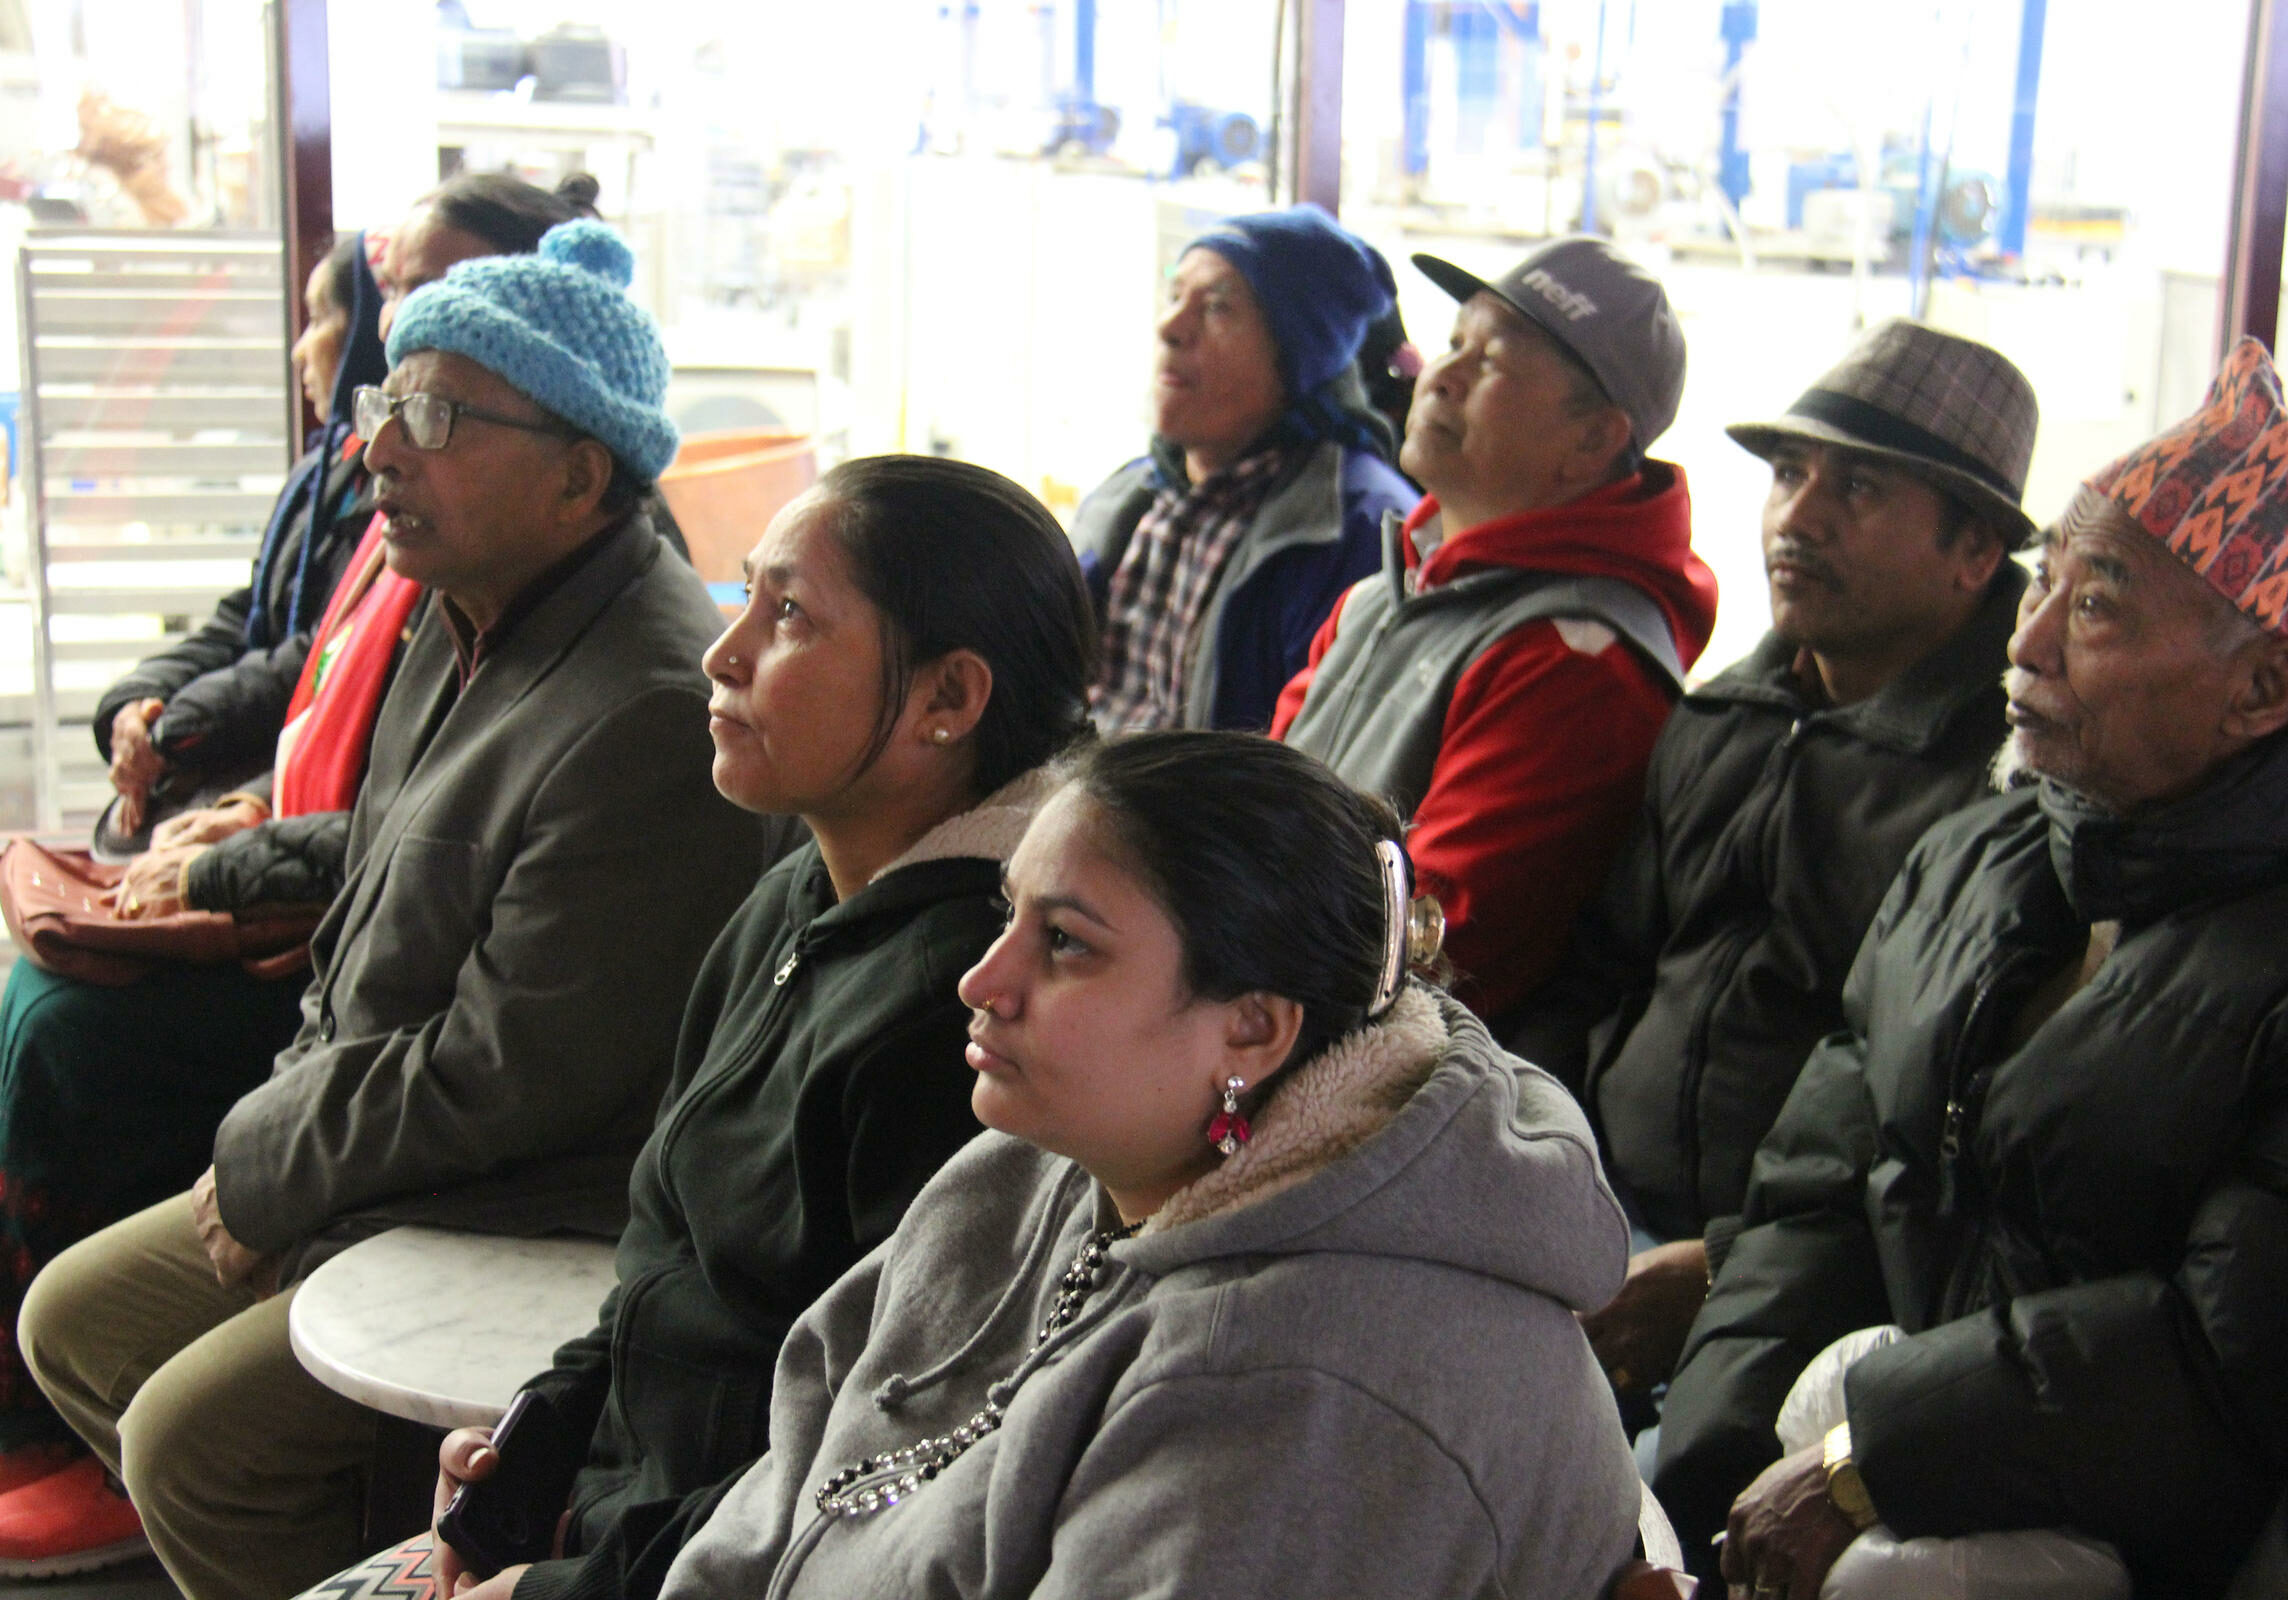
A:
428,418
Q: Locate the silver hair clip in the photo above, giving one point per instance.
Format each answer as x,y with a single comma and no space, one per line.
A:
1397,892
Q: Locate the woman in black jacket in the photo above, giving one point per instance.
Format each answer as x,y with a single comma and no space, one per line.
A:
917,642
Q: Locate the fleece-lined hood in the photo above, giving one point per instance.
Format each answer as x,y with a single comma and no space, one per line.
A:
1418,1138
1638,530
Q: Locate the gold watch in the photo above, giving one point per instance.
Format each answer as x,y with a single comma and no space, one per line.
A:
1844,1485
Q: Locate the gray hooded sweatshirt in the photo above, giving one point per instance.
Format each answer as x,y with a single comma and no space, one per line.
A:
1345,1363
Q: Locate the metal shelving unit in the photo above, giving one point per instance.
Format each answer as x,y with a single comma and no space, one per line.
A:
158,422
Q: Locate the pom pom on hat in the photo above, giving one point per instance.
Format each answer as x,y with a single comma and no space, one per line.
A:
593,247
559,326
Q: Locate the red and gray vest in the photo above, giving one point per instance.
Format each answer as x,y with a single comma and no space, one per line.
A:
1376,710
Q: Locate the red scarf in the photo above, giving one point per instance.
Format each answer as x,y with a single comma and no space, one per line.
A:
329,722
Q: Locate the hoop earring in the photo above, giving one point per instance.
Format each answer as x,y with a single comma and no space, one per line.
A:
1229,1130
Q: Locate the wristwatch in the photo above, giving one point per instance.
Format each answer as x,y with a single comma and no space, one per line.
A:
1844,1485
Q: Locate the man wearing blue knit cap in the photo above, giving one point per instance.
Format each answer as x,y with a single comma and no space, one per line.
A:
536,865
1214,557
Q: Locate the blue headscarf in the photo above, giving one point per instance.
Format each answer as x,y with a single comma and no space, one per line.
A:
362,363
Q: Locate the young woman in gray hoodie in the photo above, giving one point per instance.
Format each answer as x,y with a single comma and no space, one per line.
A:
1126,1344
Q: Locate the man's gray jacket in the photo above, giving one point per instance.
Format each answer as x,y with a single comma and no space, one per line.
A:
536,865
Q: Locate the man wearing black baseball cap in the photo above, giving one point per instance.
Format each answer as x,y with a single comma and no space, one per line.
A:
1784,794
1503,677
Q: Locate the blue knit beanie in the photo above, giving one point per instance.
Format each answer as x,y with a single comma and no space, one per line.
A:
1319,287
559,325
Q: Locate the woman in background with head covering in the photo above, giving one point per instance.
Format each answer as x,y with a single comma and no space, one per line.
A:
1215,557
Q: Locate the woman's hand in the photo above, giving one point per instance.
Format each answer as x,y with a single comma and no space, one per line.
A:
1785,1532
468,1456
233,1262
1639,1335
497,1587
209,824
153,885
135,763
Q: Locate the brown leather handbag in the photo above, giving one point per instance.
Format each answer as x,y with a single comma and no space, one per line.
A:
58,912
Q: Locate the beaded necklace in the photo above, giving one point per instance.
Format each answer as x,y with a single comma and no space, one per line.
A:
876,1483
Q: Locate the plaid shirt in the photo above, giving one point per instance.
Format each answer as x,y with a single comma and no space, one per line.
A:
1162,585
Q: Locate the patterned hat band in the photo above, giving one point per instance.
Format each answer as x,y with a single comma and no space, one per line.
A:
1885,431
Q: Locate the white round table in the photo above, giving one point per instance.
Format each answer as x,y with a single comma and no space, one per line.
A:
442,1328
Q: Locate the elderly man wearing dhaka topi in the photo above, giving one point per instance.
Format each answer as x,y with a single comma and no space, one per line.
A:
2047,1154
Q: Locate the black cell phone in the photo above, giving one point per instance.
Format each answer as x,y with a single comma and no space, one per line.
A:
511,1516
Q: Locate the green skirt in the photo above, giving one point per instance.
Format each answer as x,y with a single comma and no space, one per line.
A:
109,1101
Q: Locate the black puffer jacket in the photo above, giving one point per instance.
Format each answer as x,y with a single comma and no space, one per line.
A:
1713,959
2096,1282
819,1083
287,861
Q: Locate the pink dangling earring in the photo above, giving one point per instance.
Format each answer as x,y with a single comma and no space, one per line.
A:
1229,1130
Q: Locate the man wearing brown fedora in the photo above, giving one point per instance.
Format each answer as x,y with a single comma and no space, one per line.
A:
1782,796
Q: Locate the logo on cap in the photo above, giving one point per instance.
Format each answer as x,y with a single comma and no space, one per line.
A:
1571,303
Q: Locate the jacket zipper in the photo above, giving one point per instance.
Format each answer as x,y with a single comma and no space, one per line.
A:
699,1093
1968,1070
1970,1073
758,1031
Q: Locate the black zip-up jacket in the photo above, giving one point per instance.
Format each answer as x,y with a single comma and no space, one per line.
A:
2085,1237
819,1083
1713,959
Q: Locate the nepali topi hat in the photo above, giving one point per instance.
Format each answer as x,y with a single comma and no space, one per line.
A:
1952,408
2214,488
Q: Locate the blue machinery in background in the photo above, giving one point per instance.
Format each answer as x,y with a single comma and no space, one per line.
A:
1738,30
1475,26
2018,176
1205,135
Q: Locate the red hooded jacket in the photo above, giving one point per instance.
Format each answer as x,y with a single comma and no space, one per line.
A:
1541,763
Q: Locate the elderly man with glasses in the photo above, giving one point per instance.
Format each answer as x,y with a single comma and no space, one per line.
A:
537,863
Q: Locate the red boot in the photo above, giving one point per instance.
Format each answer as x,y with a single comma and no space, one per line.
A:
74,1520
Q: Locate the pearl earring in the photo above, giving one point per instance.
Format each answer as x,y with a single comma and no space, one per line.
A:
941,735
